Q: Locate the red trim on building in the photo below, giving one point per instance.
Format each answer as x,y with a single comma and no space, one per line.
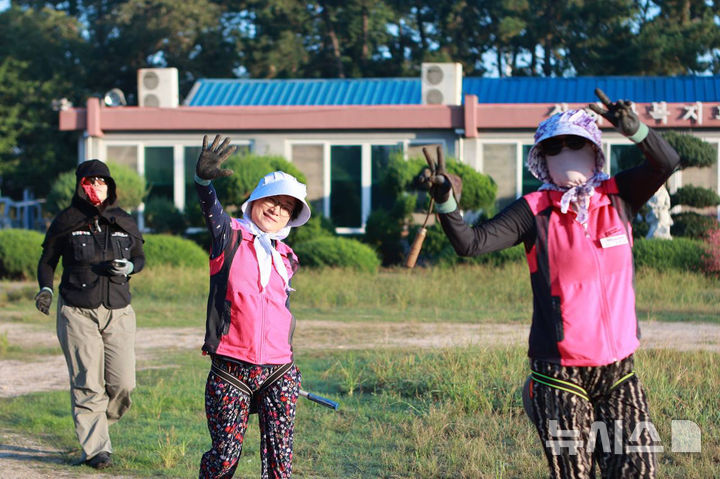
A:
472,117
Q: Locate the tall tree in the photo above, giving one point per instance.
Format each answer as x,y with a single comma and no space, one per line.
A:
39,63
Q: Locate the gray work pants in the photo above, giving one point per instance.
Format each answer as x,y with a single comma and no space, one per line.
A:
99,348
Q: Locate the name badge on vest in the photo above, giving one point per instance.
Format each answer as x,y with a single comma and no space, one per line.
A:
616,240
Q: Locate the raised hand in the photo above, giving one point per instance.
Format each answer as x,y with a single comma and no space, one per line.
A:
210,159
618,113
436,178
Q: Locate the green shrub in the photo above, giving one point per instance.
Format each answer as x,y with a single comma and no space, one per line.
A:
318,226
61,192
478,191
131,189
162,216
20,251
248,170
692,225
163,249
678,253
340,252
384,229
693,151
695,196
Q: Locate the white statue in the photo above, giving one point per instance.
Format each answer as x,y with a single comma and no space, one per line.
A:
659,215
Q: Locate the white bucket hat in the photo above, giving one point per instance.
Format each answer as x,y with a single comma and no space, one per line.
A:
281,183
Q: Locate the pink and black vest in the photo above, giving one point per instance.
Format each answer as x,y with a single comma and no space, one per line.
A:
582,280
244,321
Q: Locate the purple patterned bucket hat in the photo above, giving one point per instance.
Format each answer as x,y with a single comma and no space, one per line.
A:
571,122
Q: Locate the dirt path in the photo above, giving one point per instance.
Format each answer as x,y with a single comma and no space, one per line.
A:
25,458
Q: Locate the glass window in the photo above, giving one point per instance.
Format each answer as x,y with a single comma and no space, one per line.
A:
346,186
123,155
309,160
529,182
159,171
380,158
499,162
415,150
623,157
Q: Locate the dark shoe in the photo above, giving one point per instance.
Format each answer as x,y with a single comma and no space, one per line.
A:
100,461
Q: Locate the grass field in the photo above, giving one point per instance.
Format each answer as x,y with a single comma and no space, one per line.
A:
404,413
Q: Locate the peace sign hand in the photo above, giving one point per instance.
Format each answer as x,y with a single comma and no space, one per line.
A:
619,113
210,159
436,178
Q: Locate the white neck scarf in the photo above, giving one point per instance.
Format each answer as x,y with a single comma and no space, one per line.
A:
266,254
578,195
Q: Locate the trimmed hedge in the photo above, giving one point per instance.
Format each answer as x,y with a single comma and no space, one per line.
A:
695,196
20,251
692,225
693,151
662,255
340,252
162,216
163,249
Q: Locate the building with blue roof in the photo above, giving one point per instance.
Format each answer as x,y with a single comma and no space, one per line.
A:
340,132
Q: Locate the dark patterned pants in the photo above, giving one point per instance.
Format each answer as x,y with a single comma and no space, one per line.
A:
227,410
609,427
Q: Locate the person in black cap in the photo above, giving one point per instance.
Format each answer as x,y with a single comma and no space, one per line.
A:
100,246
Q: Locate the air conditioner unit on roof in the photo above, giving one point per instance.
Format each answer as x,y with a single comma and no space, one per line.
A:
441,83
158,87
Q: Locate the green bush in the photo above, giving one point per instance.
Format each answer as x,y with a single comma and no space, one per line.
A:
678,254
478,191
163,249
61,192
384,229
318,226
248,170
20,251
692,225
162,216
693,151
131,189
695,196
340,252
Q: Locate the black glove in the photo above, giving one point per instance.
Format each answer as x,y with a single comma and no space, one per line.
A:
437,179
210,159
620,114
43,300
120,267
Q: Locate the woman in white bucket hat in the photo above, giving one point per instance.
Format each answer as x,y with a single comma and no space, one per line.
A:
249,326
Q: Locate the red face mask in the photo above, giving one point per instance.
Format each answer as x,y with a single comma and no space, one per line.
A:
96,192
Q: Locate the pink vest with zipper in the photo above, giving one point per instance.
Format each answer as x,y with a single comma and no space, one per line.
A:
587,272
261,325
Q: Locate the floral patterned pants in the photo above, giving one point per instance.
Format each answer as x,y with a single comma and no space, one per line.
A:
228,409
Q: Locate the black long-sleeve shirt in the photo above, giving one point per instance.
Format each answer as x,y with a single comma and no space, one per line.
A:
516,223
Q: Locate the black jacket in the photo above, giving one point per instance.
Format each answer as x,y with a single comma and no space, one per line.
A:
88,238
